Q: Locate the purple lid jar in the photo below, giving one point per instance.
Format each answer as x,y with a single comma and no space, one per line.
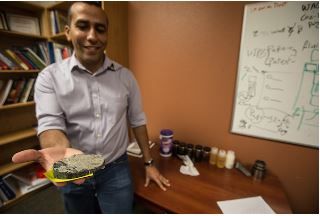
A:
166,139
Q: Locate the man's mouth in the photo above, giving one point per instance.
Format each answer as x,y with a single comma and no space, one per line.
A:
92,48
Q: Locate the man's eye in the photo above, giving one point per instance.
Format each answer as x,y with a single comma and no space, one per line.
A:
100,29
82,27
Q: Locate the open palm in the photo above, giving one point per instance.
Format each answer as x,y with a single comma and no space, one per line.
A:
46,157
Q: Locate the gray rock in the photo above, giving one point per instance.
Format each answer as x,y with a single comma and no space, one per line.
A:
77,166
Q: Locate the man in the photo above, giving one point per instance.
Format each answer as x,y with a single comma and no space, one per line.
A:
82,106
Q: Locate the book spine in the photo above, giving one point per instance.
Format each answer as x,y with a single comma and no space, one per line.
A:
10,63
3,197
6,190
16,59
51,52
14,92
31,94
27,90
24,60
38,59
3,65
4,20
5,92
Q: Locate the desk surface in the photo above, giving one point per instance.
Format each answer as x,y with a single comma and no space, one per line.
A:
199,194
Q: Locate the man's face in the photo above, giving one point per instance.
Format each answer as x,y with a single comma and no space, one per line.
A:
88,33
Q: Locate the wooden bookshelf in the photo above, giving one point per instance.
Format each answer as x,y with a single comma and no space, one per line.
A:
10,167
23,5
20,197
17,105
62,5
16,136
7,33
14,74
59,38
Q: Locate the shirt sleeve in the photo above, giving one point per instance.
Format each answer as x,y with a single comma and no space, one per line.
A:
48,112
136,115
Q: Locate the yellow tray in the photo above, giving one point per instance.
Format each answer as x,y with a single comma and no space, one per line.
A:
49,175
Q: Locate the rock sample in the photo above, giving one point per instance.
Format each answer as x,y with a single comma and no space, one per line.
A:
77,166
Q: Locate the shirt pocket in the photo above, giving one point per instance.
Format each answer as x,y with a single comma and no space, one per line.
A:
116,108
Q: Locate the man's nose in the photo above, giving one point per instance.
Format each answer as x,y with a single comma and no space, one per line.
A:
92,35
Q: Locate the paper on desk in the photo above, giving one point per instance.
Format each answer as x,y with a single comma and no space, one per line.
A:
189,168
250,205
134,149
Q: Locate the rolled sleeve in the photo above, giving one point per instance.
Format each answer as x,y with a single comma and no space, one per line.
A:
136,115
48,111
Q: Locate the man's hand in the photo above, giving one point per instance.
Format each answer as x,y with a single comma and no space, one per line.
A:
152,173
47,157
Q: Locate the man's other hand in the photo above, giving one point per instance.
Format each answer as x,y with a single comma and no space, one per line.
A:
152,173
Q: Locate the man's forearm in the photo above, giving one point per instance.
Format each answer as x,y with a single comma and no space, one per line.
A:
53,138
141,135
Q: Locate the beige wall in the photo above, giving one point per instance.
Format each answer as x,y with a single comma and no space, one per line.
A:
185,56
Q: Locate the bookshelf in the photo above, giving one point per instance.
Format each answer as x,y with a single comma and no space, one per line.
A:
17,120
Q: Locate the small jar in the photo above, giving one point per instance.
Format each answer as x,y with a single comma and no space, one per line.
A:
213,155
259,170
221,160
166,138
206,154
190,149
198,153
230,158
175,146
182,149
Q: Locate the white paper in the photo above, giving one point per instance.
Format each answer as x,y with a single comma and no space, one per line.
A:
134,149
251,205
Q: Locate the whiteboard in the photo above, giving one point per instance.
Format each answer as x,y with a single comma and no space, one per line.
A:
277,91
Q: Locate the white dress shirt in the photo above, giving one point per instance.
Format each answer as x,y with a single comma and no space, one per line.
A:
92,109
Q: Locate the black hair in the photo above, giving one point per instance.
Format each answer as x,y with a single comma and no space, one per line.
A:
94,3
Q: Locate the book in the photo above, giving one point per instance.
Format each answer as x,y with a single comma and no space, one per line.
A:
3,20
7,190
15,91
43,48
16,59
12,65
27,180
51,52
27,90
35,58
31,94
4,91
61,20
3,197
3,66
28,62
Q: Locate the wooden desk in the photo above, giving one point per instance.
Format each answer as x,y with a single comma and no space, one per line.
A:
199,194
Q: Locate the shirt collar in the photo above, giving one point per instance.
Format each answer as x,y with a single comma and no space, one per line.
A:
107,65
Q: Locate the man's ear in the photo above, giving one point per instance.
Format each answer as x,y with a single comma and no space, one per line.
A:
67,32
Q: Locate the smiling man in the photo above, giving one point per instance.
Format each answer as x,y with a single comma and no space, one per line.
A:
82,106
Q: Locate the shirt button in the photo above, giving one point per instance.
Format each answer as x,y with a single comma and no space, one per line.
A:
94,95
97,115
98,135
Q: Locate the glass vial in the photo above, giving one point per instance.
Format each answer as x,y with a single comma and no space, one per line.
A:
206,154
221,158
230,158
190,150
198,153
213,155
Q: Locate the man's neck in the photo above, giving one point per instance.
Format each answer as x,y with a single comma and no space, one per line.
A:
93,67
